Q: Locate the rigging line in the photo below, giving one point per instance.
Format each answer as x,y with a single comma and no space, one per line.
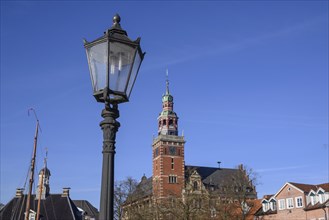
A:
28,172
45,209
15,208
27,176
53,208
22,206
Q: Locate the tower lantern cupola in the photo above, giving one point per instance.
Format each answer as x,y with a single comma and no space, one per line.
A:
168,120
43,183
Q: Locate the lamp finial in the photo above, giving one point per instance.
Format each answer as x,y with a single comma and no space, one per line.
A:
116,21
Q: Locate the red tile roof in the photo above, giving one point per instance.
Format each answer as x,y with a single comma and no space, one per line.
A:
308,187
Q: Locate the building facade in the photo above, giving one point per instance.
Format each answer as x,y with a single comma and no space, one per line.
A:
180,191
296,201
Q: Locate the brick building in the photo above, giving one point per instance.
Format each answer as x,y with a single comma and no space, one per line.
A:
172,179
296,201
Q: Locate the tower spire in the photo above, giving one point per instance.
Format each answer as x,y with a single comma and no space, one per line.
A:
167,82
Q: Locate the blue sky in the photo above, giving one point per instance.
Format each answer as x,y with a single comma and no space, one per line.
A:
249,80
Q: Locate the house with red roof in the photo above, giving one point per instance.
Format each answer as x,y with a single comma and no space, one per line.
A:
296,201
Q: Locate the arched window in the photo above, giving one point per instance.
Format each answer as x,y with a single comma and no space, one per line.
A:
195,185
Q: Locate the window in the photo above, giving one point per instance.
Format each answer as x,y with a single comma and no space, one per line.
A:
156,153
282,204
195,185
31,216
172,179
265,206
299,202
273,204
321,197
313,199
290,203
213,212
172,163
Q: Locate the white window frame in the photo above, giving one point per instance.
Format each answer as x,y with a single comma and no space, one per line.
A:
273,205
265,206
282,204
290,203
321,197
313,199
172,179
301,201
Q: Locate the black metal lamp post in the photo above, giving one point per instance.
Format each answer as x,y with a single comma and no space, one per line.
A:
114,62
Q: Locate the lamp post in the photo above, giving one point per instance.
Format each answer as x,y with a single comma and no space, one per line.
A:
114,61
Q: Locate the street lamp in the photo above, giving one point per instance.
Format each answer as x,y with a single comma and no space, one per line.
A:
114,62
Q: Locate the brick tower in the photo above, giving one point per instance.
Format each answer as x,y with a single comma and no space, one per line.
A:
168,152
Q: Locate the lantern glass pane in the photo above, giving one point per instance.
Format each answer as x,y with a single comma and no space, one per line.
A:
121,59
134,72
97,59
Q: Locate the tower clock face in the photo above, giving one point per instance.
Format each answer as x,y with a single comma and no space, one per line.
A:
172,150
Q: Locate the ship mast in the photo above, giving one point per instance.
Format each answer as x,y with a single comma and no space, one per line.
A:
27,211
41,185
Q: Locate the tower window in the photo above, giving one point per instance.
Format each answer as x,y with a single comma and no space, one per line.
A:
156,152
172,163
171,122
172,179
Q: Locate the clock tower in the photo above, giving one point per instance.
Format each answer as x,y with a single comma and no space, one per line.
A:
168,152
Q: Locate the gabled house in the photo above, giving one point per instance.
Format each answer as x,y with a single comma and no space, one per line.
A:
296,201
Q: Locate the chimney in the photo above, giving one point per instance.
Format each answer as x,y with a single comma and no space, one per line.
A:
19,192
240,167
66,192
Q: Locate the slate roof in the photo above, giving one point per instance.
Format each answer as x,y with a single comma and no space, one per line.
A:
89,209
143,190
213,175
54,207
209,176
